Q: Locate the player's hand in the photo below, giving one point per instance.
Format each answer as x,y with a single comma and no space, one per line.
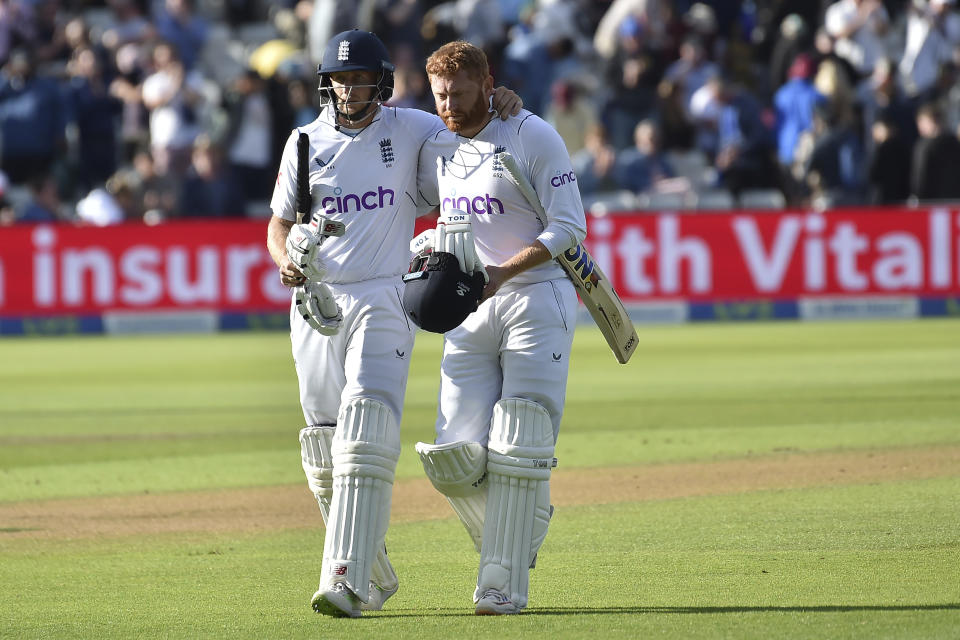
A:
315,304
303,244
290,276
505,103
496,276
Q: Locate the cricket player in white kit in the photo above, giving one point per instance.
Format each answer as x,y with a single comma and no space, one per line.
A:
351,339
504,370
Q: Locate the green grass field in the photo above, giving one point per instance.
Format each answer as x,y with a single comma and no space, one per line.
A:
780,480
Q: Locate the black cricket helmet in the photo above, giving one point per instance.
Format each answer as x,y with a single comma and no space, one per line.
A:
437,295
356,50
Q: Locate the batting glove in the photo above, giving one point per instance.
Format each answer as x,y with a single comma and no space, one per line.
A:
454,234
303,244
316,306
423,242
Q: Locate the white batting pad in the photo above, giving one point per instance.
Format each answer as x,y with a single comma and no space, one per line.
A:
458,470
365,450
519,459
315,447
315,443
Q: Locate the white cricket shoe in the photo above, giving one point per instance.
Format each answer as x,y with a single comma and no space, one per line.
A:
495,603
336,600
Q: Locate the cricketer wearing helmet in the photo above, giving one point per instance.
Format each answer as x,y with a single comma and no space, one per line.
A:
350,338
504,369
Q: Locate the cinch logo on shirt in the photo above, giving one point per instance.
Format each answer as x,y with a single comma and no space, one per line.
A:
563,178
479,204
370,200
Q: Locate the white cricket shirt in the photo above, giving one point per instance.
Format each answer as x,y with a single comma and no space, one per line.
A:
367,181
470,179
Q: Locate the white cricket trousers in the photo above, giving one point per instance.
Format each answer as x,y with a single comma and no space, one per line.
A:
517,344
368,358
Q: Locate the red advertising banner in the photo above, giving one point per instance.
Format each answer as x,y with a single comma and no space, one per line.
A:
697,257
749,255
177,266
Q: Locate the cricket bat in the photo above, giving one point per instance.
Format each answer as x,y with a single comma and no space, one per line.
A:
595,290
320,225
304,203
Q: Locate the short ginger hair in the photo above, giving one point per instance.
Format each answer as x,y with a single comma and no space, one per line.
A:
457,56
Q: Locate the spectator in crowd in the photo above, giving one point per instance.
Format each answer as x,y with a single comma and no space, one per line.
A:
881,93
399,21
702,19
650,25
533,60
743,157
705,108
631,76
823,51
932,32
692,70
126,87
44,204
858,28
110,204
834,171
18,28
594,164
410,89
794,103
51,43
795,38
951,95
250,143
936,157
570,113
210,188
76,35
643,167
173,96
177,24
32,119
770,23
888,174
675,124
129,25
95,113
301,103
156,194
124,186
325,18
832,83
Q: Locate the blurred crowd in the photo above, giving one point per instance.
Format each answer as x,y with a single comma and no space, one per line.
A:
162,109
